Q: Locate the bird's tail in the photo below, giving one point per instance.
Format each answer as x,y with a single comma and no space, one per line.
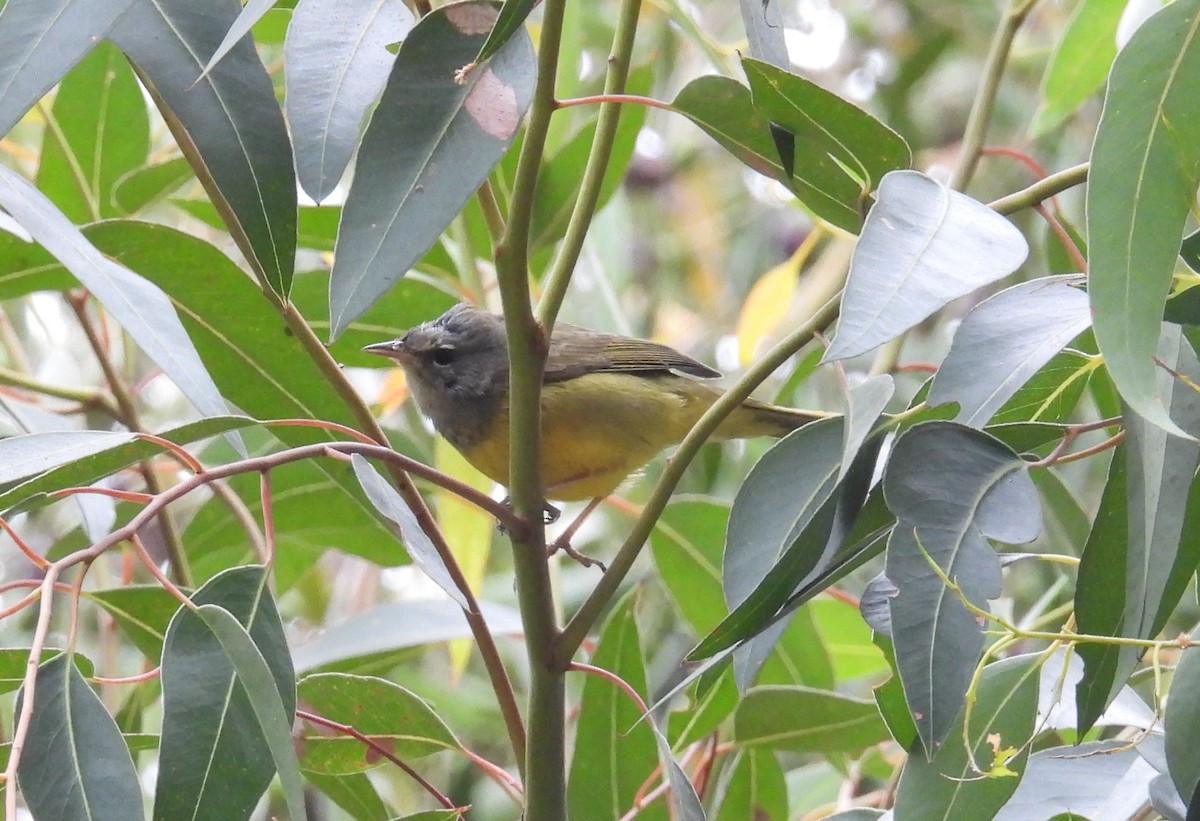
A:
756,418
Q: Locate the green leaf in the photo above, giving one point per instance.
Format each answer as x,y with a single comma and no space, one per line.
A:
143,612
140,307
1140,556
397,718
1183,706
26,267
1079,64
831,136
508,22
39,42
38,463
14,663
374,632
804,720
1001,718
753,787
921,247
1004,341
228,124
889,697
355,794
615,751
951,488
96,131
149,184
337,63
1145,167
214,760
257,681
430,144
75,765
687,543
420,548
1051,395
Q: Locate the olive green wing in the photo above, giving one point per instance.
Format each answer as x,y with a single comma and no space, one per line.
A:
576,351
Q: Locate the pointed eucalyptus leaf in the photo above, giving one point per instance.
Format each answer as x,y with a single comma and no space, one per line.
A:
40,40
753,786
75,765
1079,64
921,247
98,132
1094,779
1140,556
250,14
140,307
509,21
228,124
214,762
804,720
430,144
337,62
14,663
764,32
256,679
143,612
1001,719
615,752
831,135
951,488
377,708
149,184
39,463
373,633
864,403
1145,167
420,548
1005,340
687,543
355,794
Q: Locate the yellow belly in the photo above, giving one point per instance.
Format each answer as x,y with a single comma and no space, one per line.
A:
599,428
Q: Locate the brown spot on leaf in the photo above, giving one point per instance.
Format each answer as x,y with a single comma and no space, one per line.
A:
493,104
471,18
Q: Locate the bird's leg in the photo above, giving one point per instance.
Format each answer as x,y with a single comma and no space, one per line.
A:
550,514
563,542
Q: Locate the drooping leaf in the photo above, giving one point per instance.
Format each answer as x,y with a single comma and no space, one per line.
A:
420,547
1000,724
228,124
355,794
250,14
272,710
337,63
1003,342
1180,723
1145,166
1089,780
615,752
38,463
383,711
922,246
141,308
98,131
75,765
804,720
431,142
372,633
1079,64
40,40
753,787
214,760
951,489
764,32
1142,551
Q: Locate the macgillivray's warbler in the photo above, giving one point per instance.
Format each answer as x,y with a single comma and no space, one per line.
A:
609,403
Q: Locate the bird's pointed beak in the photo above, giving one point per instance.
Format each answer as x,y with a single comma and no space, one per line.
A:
392,349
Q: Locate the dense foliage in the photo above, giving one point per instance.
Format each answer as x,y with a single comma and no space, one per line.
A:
243,579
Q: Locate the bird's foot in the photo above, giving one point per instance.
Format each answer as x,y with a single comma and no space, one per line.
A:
550,514
564,544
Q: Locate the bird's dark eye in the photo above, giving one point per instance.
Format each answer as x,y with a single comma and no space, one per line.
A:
443,356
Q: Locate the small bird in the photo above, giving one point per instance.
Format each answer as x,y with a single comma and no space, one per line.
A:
609,403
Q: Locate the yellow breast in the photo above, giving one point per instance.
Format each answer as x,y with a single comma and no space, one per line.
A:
599,428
